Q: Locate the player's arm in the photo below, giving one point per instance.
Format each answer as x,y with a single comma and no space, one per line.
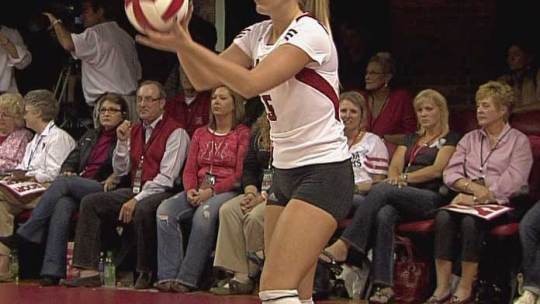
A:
280,65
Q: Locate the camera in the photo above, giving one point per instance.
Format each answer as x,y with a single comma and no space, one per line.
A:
69,11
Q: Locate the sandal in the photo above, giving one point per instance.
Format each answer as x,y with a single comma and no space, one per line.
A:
436,300
333,265
382,295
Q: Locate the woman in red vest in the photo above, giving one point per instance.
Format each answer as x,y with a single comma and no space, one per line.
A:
211,177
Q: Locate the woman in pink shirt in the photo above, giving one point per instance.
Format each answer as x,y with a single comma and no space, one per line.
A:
490,164
211,177
13,136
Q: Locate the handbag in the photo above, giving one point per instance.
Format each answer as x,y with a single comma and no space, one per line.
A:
411,275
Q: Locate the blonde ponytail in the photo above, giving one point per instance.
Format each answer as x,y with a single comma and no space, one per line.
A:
320,9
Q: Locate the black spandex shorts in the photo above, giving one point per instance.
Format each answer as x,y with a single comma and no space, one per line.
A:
327,186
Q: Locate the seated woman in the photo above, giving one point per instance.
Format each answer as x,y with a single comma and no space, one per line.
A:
390,110
411,192
13,136
88,169
211,176
41,162
241,219
523,77
529,233
490,164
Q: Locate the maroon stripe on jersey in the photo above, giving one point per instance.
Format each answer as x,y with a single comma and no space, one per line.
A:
316,81
173,8
139,15
376,159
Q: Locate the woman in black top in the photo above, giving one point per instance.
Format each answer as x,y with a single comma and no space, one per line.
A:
410,192
241,218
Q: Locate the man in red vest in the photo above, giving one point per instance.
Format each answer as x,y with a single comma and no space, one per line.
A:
152,152
189,108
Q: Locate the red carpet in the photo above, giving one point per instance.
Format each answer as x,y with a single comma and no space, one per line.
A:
34,294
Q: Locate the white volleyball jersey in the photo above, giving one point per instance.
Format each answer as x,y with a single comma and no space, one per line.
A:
369,157
303,111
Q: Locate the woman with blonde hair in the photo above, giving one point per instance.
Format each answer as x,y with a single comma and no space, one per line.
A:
13,136
490,164
290,60
411,192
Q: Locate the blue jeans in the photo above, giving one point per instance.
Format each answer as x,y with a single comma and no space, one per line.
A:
529,233
376,217
53,212
172,264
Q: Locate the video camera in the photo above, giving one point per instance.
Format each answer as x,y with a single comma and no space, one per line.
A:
69,11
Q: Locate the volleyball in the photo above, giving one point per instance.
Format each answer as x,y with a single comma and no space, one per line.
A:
157,15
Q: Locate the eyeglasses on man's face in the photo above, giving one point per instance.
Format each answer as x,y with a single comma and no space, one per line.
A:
147,99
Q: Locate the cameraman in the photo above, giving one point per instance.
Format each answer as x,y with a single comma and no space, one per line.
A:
107,53
13,53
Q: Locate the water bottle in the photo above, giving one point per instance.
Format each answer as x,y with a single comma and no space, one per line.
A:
101,267
14,266
110,271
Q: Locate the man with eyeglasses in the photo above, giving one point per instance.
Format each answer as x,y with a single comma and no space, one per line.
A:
152,153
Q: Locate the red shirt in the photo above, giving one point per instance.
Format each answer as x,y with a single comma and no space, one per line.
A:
224,154
192,116
100,153
396,117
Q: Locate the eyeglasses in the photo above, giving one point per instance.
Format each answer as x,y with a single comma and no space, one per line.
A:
147,99
6,115
110,110
375,73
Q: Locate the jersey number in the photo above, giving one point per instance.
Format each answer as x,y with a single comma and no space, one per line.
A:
270,113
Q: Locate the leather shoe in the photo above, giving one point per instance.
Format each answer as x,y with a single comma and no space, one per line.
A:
144,281
11,241
47,281
91,281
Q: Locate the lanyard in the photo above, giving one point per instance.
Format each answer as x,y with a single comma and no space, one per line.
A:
483,162
417,148
36,147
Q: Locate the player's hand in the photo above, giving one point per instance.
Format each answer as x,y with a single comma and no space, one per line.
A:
173,40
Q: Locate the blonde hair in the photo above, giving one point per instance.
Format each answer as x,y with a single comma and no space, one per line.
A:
439,101
13,105
501,93
360,102
261,129
238,102
320,9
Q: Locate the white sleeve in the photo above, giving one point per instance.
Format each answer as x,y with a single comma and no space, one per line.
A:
246,40
376,161
311,37
86,45
25,57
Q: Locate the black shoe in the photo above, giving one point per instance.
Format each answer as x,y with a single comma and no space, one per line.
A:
91,281
47,281
144,281
11,241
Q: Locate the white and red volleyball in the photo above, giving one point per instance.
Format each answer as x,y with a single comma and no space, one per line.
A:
157,15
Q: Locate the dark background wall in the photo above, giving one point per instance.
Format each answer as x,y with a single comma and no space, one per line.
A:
450,45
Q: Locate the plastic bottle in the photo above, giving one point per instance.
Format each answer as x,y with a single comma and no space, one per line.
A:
14,266
110,271
101,267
